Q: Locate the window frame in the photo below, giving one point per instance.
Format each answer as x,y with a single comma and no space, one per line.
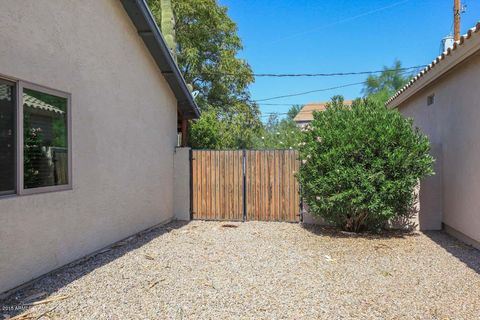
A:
13,192
20,85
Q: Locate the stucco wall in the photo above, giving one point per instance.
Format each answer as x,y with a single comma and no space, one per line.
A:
452,123
124,133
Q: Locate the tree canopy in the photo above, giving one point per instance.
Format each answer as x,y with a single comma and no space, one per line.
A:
381,87
280,133
206,51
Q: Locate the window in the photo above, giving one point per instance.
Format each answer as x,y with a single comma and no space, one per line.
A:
7,137
430,99
35,137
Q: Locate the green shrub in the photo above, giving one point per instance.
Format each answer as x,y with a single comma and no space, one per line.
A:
360,164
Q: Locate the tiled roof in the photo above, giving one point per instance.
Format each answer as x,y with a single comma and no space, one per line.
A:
28,100
35,103
472,33
306,113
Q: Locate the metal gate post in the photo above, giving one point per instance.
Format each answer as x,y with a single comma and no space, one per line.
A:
244,186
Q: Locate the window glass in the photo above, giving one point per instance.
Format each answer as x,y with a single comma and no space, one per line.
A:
45,145
7,138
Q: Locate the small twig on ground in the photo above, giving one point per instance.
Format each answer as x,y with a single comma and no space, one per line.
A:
45,313
229,225
58,298
149,257
381,245
155,283
23,316
35,296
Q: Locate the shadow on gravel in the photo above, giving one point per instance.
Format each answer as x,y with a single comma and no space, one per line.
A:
45,286
338,233
463,252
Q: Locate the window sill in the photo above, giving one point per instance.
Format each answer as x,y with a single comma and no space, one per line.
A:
36,191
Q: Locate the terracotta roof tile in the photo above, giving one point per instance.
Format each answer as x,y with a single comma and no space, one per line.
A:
306,113
437,60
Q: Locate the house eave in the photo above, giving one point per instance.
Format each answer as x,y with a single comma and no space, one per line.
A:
468,45
148,30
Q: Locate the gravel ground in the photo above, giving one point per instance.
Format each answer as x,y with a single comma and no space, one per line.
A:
203,270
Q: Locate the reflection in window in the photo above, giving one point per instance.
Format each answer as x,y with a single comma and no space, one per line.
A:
7,138
45,153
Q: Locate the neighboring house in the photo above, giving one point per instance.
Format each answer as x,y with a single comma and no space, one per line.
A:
444,102
90,106
305,115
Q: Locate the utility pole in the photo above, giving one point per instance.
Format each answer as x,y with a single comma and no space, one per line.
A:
456,20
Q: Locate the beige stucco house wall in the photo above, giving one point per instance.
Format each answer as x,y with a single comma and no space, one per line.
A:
124,132
452,122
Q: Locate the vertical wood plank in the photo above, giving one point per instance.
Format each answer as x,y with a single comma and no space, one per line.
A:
221,183
202,187
194,183
214,184
258,185
232,197
241,190
297,205
225,187
234,183
281,185
239,185
292,181
217,184
207,189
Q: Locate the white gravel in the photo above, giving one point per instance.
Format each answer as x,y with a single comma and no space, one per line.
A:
202,270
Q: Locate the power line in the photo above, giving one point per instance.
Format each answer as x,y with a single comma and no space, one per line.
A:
284,75
311,91
317,90
333,74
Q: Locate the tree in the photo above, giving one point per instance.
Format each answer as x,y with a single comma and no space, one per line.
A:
216,130
383,86
360,164
280,133
206,50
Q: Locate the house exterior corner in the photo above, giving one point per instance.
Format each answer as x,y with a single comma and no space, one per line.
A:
123,133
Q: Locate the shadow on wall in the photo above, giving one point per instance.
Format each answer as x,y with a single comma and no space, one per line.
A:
408,221
56,280
463,252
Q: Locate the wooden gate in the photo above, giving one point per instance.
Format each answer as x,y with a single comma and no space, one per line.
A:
245,185
271,186
217,185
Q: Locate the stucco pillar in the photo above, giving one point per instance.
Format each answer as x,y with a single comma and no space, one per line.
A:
431,194
181,196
